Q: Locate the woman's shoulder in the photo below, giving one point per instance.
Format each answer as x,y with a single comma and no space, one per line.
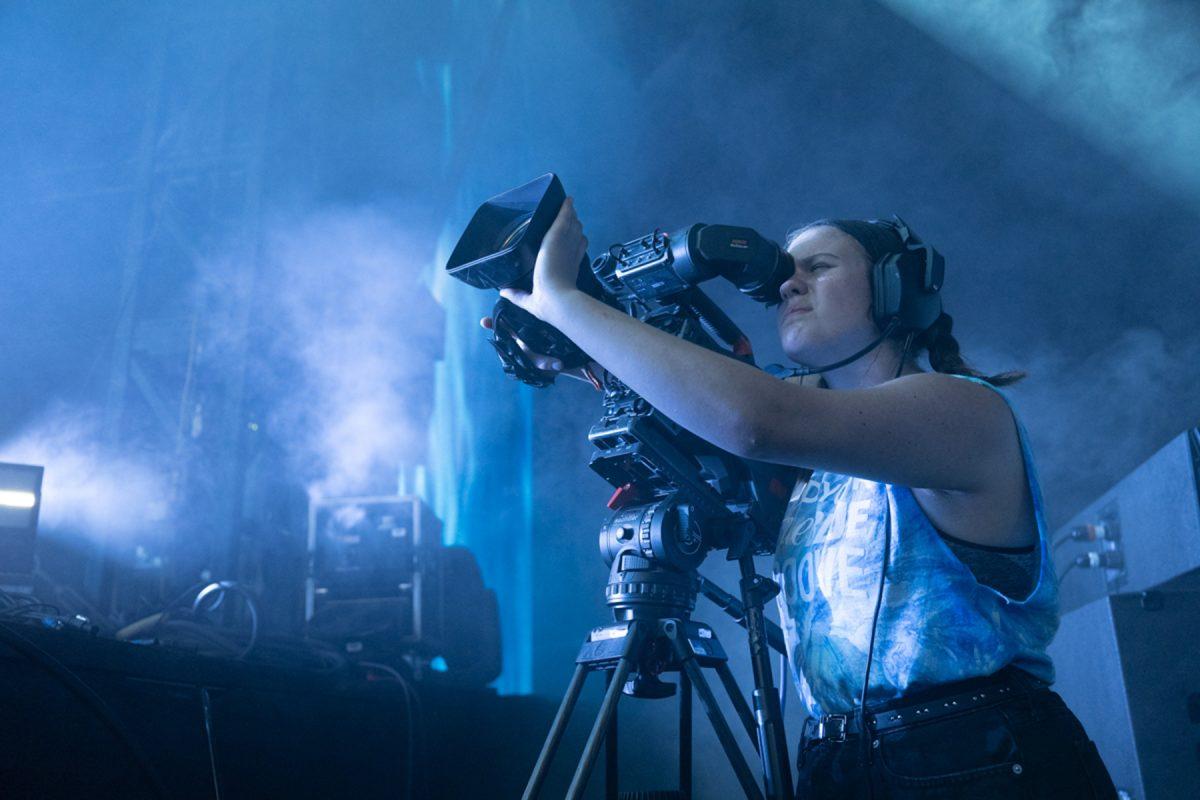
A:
948,391
979,413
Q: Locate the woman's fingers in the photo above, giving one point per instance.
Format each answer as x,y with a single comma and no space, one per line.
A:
545,363
567,222
542,362
517,297
564,219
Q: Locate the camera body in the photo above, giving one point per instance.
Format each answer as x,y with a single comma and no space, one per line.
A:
662,265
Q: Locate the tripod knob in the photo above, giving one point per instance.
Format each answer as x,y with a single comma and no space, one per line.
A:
665,530
648,687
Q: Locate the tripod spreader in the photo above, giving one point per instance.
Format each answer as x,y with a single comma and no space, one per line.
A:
652,635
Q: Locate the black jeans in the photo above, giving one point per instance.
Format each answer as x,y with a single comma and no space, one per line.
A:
1029,746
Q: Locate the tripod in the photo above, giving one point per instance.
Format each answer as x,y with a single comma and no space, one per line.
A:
654,634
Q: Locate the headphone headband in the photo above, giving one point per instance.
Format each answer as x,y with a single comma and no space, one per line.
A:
934,271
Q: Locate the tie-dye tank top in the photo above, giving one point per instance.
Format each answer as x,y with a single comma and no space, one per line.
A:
937,624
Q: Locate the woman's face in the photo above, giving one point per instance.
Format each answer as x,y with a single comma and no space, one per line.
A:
826,310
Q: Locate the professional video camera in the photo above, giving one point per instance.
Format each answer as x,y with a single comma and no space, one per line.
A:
648,277
676,495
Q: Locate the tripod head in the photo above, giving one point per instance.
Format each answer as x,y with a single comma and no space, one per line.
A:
677,498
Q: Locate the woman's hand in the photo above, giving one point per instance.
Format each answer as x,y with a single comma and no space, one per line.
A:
547,363
555,273
540,360
557,266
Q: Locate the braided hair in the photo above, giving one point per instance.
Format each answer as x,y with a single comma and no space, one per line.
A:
879,240
944,355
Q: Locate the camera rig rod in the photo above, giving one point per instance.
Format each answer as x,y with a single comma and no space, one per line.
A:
737,611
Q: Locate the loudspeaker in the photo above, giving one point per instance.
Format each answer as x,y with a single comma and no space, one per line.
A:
1128,665
1147,528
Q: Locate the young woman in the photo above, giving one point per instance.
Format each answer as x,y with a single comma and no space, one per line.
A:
913,560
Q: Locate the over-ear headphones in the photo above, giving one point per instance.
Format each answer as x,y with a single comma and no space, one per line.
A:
906,286
905,294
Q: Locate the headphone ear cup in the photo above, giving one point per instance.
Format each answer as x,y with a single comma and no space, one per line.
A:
919,304
906,286
886,289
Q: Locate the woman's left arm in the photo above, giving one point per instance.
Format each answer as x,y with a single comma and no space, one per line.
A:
929,431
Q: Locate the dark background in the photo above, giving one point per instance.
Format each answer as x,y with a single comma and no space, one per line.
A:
279,183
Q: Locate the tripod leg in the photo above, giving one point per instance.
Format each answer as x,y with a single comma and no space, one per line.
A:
685,736
607,709
772,748
556,732
610,754
739,701
724,734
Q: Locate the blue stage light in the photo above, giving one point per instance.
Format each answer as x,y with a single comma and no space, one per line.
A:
20,502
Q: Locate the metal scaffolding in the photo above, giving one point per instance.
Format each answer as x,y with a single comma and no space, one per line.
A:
177,373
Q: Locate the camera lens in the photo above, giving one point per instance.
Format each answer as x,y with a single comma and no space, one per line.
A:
511,232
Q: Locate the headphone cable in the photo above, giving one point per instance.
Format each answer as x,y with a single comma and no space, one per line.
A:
862,700
887,547
780,371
